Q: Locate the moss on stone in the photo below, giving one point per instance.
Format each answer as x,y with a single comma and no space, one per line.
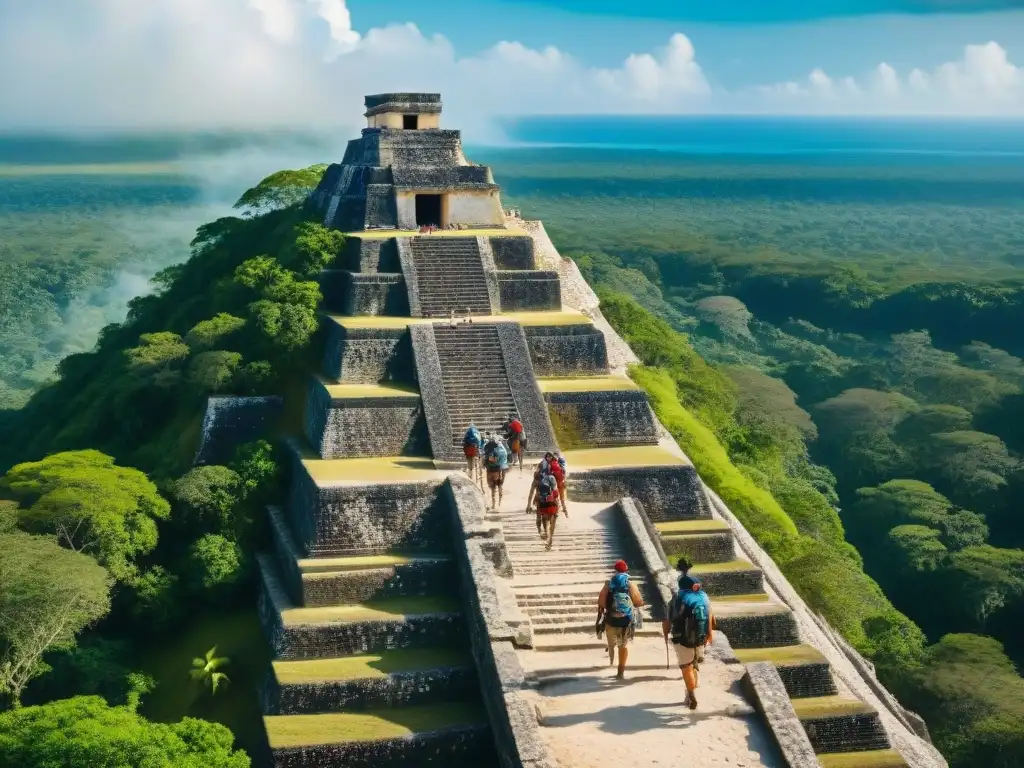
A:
373,725
880,758
340,391
821,707
755,597
691,527
789,655
385,469
587,384
372,666
566,430
630,456
327,566
392,609
731,566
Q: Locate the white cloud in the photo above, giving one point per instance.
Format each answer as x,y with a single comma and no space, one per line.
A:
982,82
303,64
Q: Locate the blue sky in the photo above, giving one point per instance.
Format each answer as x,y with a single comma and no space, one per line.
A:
97,64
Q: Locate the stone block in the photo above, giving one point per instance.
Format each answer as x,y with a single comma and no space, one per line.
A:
369,519
667,492
765,690
567,350
366,426
397,689
467,747
418,578
747,581
601,419
370,254
808,679
231,421
513,252
533,290
759,630
351,293
701,548
846,733
368,355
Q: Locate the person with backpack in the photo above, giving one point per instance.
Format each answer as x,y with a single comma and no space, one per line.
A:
691,624
496,465
560,476
617,606
543,468
516,436
472,445
546,492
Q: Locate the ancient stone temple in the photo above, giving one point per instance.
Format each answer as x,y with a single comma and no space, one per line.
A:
412,624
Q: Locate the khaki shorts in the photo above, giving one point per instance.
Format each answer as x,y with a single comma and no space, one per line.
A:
686,656
616,637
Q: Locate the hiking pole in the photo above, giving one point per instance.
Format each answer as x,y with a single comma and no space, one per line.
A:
667,666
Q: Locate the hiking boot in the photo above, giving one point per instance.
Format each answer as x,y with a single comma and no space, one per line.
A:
620,675
691,700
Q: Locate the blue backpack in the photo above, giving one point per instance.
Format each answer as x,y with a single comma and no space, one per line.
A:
620,609
472,437
691,617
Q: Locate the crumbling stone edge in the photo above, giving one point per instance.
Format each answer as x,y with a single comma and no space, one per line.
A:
431,383
533,412
481,555
490,273
412,286
766,690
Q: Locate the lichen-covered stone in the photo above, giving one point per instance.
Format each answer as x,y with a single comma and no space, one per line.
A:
567,350
370,254
759,630
703,548
601,419
415,579
513,252
667,492
350,293
529,291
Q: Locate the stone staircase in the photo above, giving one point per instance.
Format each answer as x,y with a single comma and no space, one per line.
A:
476,384
449,276
843,730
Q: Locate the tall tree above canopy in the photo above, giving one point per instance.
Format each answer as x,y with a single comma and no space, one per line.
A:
47,596
91,505
281,189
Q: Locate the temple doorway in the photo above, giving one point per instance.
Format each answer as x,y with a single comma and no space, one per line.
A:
428,210
410,122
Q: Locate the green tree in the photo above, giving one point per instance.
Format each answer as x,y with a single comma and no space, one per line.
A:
215,332
281,189
214,371
91,505
47,596
206,670
314,247
206,499
157,601
214,565
87,731
986,579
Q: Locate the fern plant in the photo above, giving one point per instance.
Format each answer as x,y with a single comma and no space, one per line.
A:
206,670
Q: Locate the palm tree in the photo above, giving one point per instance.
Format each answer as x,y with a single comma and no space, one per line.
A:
204,670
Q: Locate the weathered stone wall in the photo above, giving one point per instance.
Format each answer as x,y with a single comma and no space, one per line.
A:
567,350
431,383
365,426
466,207
403,247
370,254
351,293
599,419
368,355
481,555
527,396
419,578
462,748
230,421
667,493
513,252
528,291
365,519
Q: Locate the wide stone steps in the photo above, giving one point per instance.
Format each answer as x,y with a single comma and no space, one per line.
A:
391,678
840,724
474,378
450,276
803,668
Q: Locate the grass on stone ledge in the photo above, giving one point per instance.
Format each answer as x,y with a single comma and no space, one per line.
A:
688,527
610,458
829,706
377,610
785,656
373,725
377,665
881,758
727,567
587,384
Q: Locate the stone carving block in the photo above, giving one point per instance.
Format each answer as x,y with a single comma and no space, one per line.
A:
368,355
601,419
567,350
534,290
513,252
667,492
